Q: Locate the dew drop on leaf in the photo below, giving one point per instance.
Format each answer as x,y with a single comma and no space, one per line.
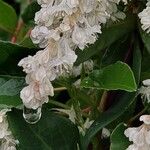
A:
32,116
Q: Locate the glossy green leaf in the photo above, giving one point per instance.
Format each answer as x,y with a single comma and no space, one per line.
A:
10,88
27,42
116,52
52,132
109,35
117,76
137,61
8,17
118,140
107,117
10,51
145,65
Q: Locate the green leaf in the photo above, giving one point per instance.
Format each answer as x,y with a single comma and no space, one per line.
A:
10,55
9,90
107,117
118,76
137,61
52,132
30,11
116,52
8,17
4,35
118,139
27,42
10,101
145,65
9,50
109,36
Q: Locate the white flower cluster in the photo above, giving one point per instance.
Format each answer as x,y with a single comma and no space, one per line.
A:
140,136
145,17
7,141
145,90
62,26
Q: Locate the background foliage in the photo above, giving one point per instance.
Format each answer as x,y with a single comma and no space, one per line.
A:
121,56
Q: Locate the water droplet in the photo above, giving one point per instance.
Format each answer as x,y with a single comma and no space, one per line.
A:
32,116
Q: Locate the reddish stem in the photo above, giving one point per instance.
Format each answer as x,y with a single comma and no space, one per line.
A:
18,28
86,110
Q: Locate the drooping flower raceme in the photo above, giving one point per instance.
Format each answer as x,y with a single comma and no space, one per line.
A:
140,136
145,18
7,141
61,27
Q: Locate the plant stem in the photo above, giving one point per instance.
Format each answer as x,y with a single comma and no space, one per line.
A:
136,116
18,28
56,103
60,89
103,101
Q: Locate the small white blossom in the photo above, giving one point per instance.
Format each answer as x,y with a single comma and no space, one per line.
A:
145,90
125,1
140,136
39,35
86,125
34,95
105,133
7,141
145,18
146,82
44,3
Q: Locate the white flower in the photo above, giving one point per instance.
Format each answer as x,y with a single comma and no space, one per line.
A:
146,82
145,119
4,128
7,141
2,114
34,95
84,36
125,1
87,6
72,3
145,90
145,18
29,64
44,3
39,35
105,133
140,136
86,125
148,3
